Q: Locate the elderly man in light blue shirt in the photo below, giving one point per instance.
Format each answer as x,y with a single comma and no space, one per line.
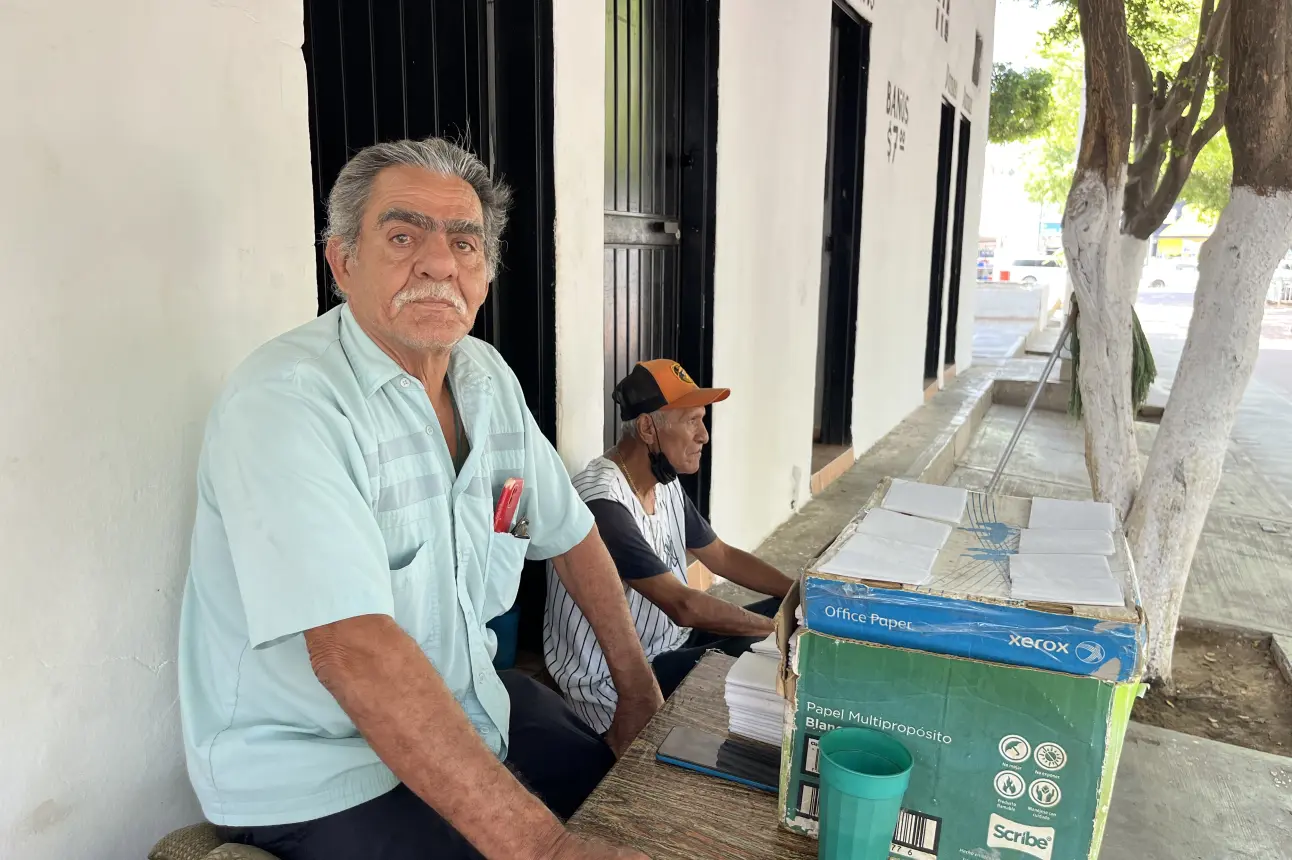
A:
336,679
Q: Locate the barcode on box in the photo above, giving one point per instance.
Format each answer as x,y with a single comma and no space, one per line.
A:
916,836
808,801
811,753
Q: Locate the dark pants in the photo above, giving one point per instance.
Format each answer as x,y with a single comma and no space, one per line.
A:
550,750
672,667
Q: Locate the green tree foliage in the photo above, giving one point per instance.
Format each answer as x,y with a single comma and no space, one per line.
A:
1207,190
1165,31
1054,154
1021,105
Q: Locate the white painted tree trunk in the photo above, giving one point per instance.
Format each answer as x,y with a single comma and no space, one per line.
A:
1134,252
1098,258
1234,271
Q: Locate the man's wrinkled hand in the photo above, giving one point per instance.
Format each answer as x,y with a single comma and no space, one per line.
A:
631,716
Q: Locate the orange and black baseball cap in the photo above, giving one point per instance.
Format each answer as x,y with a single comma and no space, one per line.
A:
661,384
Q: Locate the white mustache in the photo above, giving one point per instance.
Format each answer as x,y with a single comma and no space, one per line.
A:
428,291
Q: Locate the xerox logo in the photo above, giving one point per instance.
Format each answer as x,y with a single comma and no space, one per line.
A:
1037,841
1049,646
1090,652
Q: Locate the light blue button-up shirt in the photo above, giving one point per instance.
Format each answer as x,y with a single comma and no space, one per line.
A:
326,491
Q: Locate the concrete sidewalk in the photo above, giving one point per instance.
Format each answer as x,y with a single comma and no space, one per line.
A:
1179,797
998,339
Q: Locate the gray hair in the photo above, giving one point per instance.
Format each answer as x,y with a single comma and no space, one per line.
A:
349,196
630,430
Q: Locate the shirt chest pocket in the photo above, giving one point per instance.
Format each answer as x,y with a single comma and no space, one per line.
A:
502,573
417,590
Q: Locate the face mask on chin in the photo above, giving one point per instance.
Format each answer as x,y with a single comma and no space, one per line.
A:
660,468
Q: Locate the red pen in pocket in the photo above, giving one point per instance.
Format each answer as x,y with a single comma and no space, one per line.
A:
508,503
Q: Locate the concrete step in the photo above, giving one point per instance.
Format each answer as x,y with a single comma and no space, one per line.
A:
1057,394
1178,797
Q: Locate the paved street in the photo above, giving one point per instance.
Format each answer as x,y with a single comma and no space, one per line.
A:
1165,317
1263,429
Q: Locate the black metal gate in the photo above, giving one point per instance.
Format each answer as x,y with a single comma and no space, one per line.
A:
390,69
661,131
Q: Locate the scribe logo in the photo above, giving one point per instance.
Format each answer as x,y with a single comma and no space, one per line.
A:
1049,646
1037,841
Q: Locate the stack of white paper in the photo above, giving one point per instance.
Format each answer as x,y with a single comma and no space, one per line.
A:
930,501
1084,580
907,529
865,556
1066,542
1063,555
896,547
755,709
769,648
1069,515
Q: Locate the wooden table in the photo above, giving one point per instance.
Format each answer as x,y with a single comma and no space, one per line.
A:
676,814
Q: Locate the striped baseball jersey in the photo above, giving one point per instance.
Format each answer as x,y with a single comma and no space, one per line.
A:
642,545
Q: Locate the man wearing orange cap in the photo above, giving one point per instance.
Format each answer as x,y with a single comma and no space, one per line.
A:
649,525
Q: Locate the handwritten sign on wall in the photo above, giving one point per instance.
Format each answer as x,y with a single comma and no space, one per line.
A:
898,110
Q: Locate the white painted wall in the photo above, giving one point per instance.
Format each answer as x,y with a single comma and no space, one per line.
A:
579,143
773,88
983,22
1018,303
157,225
772,116
898,203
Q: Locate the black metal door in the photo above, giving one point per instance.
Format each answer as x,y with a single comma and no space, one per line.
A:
390,69
841,246
958,239
642,191
661,129
938,255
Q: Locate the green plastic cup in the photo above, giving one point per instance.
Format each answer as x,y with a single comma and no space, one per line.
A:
864,774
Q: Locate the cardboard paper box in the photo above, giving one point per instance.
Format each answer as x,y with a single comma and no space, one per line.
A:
1009,762
1015,713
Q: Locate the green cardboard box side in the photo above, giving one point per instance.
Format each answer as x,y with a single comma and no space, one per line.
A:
1010,763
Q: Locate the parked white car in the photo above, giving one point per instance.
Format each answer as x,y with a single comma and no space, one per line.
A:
1047,271
1179,274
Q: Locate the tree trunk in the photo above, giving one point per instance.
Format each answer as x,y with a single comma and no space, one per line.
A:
1096,255
1134,252
1252,235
